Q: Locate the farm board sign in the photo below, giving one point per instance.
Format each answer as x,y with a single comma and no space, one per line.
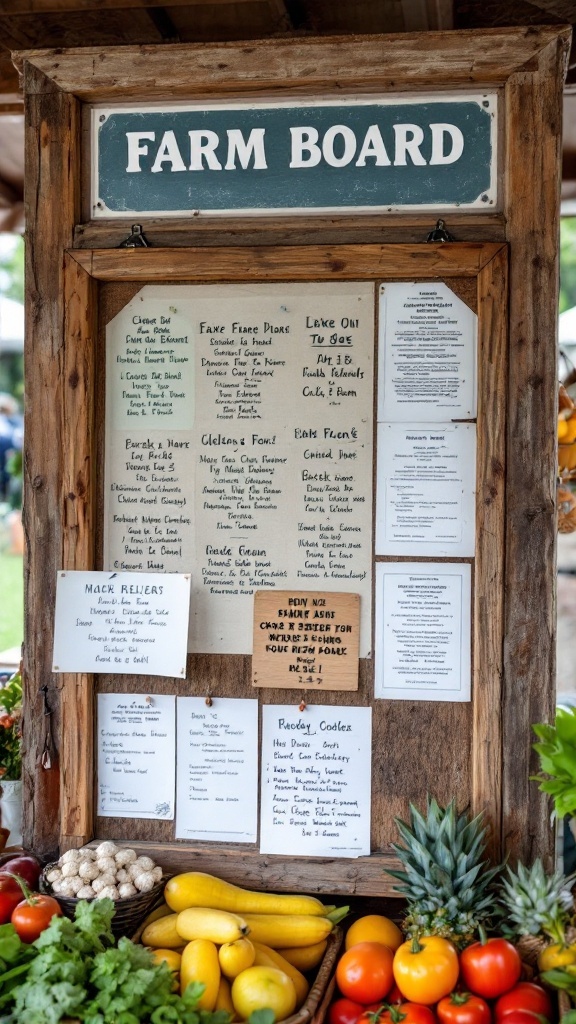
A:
363,154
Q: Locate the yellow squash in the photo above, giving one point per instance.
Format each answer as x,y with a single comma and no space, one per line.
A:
162,934
280,930
236,956
224,998
196,889
305,958
267,957
200,963
259,988
216,925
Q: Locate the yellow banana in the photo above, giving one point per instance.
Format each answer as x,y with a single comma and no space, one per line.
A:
282,930
162,934
305,958
196,889
200,963
267,957
216,925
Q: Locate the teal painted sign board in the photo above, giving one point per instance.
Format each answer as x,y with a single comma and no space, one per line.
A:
363,154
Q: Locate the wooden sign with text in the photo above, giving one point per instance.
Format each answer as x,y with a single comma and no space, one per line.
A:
306,639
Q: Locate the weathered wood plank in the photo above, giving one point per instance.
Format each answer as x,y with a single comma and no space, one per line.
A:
53,204
533,186
381,229
385,62
488,607
78,507
363,876
289,263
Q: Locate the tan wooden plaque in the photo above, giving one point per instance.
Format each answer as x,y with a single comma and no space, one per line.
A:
306,639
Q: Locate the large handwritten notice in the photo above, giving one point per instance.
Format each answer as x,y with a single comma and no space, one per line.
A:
316,773
239,445
121,622
136,755
217,779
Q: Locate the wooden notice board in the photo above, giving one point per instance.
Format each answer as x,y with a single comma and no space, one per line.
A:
501,272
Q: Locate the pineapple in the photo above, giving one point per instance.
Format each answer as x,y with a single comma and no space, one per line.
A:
537,903
445,880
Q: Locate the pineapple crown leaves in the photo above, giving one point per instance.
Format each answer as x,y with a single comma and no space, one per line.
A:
537,903
557,753
441,859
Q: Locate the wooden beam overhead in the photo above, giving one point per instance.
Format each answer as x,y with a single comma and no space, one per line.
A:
40,7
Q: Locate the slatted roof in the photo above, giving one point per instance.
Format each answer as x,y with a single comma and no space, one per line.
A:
30,24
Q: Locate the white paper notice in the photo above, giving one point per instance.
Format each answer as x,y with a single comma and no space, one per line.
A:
217,779
316,773
422,647
426,489
121,622
427,354
136,755
239,445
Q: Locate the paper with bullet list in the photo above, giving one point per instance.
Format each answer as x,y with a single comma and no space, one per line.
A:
316,778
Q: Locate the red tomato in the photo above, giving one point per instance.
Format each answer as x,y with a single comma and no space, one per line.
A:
524,996
25,867
491,968
403,1013
394,995
33,915
364,972
463,1008
10,897
344,1011
522,1017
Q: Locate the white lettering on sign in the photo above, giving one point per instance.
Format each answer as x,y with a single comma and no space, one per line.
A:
337,148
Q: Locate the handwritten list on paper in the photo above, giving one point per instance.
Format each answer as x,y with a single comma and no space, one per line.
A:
136,752
316,781
268,421
217,777
121,622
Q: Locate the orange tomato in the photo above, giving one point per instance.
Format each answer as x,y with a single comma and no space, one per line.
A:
374,928
426,969
364,972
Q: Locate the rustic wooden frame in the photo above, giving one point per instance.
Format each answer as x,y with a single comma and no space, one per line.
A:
487,263
527,65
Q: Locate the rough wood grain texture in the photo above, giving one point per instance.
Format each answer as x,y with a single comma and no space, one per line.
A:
78,501
534,122
53,203
288,230
488,604
386,62
364,876
293,263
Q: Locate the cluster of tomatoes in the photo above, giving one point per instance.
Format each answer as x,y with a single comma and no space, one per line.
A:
381,978
29,912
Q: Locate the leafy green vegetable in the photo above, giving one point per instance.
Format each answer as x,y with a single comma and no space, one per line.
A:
557,753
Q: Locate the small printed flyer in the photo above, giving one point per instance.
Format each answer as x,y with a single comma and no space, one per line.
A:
136,755
121,622
316,781
217,777
423,631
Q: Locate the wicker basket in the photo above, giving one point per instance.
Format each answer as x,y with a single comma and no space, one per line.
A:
129,913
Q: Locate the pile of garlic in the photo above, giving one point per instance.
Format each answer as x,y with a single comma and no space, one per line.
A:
108,871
